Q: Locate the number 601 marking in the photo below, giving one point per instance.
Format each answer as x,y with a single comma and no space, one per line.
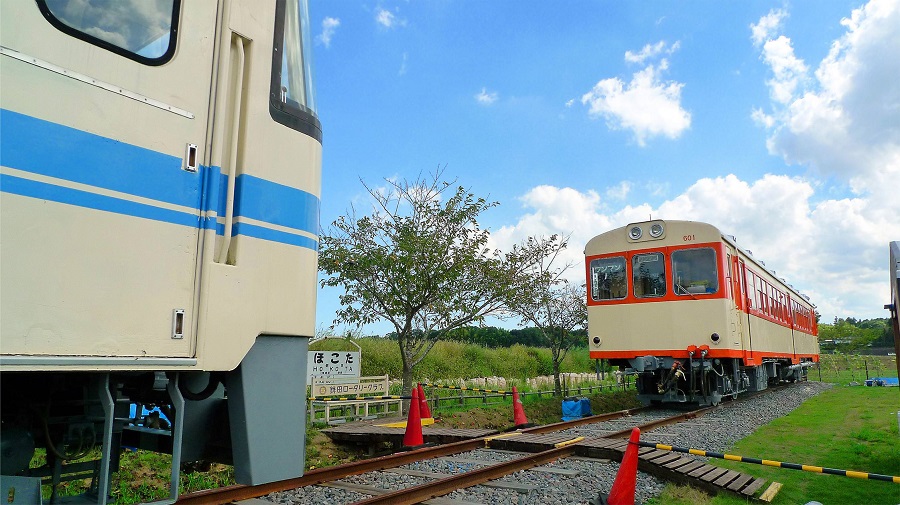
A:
688,238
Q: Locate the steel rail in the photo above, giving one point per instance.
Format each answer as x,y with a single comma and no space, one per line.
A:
661,422
229,494
471,478
564,425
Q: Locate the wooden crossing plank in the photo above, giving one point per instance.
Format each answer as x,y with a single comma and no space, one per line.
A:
726,478
701,470
753,487
740,482
691,467
714,474
666,458
769,494
680,462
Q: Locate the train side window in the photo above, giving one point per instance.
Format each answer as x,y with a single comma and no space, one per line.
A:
649,273
292,93
142,31
695,271
608,279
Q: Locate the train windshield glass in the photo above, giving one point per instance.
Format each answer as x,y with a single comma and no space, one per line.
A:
296,58
141,30
695,271
608,280
649,275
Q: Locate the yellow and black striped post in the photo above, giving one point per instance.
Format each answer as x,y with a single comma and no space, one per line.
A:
779,464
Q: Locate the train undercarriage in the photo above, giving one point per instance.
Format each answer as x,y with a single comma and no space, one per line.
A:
703,381
79,423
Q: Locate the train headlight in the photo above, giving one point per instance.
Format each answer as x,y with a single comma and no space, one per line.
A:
635,232
715,338
597,340
656,230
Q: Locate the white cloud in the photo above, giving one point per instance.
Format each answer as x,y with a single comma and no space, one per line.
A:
647,106
843,121
649,51
486,98
789,71
619,191
833,250
387,19
402,70
768,24
329,25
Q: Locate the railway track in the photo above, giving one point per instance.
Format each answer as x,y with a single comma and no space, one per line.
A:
431,484
582,464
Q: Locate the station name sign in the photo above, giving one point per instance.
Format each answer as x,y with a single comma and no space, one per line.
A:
333,364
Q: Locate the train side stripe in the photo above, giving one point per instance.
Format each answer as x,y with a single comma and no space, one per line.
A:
54,150
46,149
70,196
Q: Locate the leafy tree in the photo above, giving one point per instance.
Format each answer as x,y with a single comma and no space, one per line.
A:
556,307
421,262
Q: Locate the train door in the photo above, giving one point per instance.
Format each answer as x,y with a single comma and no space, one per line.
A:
259,257
741,305
105,115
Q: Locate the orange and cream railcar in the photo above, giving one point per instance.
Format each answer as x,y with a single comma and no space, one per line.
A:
693,316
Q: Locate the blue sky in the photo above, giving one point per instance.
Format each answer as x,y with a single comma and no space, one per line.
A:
778,122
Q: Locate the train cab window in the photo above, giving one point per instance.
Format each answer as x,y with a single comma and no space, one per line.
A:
695,271
608,279
142,31
291,97
649,275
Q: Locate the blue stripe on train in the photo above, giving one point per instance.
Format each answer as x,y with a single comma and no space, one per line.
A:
40,147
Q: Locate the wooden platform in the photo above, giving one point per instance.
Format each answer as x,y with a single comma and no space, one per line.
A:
369,432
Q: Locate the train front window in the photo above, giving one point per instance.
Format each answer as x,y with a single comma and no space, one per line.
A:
142,30
608,280
292,96
649,274
695,271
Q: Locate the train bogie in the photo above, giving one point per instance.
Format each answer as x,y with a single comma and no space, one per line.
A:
691,315
160,187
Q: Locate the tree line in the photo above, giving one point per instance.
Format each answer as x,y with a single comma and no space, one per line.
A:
848,335
493,337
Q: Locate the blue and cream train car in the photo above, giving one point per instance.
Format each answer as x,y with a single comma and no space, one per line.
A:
161,165
693,316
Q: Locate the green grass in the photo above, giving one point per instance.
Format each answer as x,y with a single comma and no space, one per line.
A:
848,428
847,368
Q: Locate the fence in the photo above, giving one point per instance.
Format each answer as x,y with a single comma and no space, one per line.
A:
356,396
328,409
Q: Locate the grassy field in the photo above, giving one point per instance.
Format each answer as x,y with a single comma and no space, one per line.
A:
848,428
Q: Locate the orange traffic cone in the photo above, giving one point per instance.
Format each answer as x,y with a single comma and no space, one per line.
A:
622,492
413,435
424,410
519,418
